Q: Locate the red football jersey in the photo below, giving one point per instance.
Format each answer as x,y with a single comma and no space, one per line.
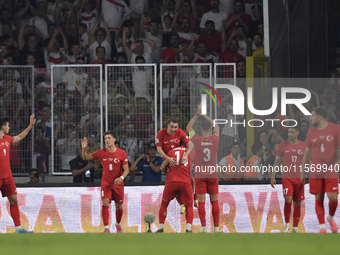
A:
206,152
323,144
292,155
5,144
112,163
179,172
169,142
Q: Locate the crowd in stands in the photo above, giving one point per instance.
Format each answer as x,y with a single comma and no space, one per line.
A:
42,33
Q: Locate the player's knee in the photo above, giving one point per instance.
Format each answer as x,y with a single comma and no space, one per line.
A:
165,214
13,200
333,197
297,203
119,207
106,202
288,199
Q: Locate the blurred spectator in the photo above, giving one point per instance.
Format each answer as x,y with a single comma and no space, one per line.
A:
83,171
99,37
184,31
34,176
5,17
202,56
130,143
304,126
168,8
212,38
142,114
239,17
44,89
16,157
255,164
50,29
72,34
70,119
187,10
100,53
6,31
84,36
130,37
141,79
149,165
42,150
68,147
263,139
258,41
331,102
92,117
41,19
155,36
243,42
44,121
169,55
150,135
89,14
233,160
230,50
77,51
219,17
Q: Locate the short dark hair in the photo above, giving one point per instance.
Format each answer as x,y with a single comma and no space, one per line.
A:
153,21
100,47
121,54
183,42
256,147
305,122
176,35
233,144
3,122
240,60
33,170
110,132
297,128
100,30
205,125
83,25
209,22
173,120
321,112
80,58
203,42
140,58
46,105
186,19
7,23
51,25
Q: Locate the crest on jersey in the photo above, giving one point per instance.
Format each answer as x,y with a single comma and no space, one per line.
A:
329,138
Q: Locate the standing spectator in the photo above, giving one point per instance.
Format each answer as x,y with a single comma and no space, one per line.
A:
168,8
258,41
126,22
130,143
184,33
169,55
141,79
99,37
154,36
211,37
44,89
239,17
202,56
219,17
50,29
243,42
42,150
149,165
90,14
304,126
188,10
92,117
41,20
84,36
44,121
101,53
77,51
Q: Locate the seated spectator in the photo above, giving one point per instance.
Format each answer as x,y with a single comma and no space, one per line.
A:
304,127
99,37
254,164
50,29
130,143
258,41
259,30
187,10
234,161
141,79
67,147
169,55
83,171
219,17
184,33
89,14
243,42
155,36
42,19
34,176
149,165
203,56
42,150
239,17
212,38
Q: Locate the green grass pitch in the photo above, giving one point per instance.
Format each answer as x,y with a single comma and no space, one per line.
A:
162,244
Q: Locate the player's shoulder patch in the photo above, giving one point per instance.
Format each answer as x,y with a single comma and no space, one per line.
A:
216,134
191,134
157,140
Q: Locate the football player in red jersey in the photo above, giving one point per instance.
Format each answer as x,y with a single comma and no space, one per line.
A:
169,138
323,140
291,152
206,180
114,161
7,184
178,181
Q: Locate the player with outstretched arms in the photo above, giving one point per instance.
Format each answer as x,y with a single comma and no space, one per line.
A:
169,138
7,185
291,153
206,181
322,141
178,182
114,161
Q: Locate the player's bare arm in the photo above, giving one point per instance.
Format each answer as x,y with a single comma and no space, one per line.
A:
220,175
23,134
186,154
154,168
122,177
216,128
275,166
164,164
305,164
192,122
133,167
84,152
161,152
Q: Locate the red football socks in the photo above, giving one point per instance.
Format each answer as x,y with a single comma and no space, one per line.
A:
162,210
119,215
320,211
332,207
216,212
14,210
201,213
105,215
190,213
296,215
287,210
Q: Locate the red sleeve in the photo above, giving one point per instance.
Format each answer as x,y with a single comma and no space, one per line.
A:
248,20
280,148
216,137
199,39
159,139
229,17
96,154
308,140
125,160
338,135
11,139
184,136
163,54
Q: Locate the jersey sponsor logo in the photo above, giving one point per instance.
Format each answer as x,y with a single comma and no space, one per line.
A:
174,140
329,138
315,139
116,160
217,134
110,159
293,150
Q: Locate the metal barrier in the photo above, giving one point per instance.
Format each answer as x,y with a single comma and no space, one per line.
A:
76,111
17,104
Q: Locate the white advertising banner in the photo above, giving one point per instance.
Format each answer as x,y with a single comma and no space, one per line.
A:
243,209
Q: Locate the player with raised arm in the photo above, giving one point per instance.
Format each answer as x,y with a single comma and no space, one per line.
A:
206,180
169,138
323,140
114,161
7,184
178,182
291,152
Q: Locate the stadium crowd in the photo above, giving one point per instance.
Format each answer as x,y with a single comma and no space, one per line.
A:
42,33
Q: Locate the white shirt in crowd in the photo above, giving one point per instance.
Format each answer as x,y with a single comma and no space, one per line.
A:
114,12
218,18
141,80
89,19
75,81
41,25
92,50
158,48
147,56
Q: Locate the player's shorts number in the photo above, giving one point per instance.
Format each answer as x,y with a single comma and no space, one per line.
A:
102,193
207,153
178,158
110,167
322,148
285,191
